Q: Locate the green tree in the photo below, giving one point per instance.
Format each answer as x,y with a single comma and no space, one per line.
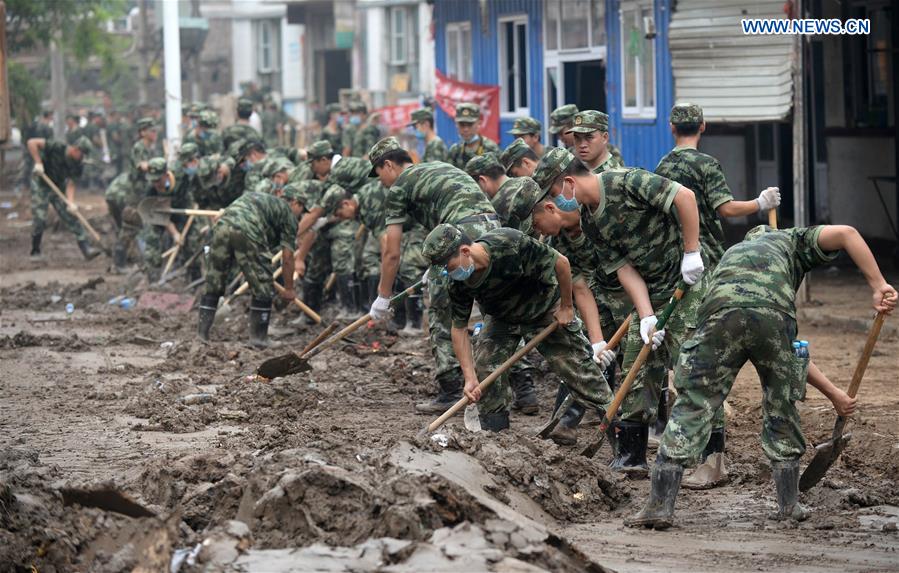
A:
31,23
25,95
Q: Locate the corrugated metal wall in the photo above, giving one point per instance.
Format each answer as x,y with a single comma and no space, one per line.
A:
485,51
642,141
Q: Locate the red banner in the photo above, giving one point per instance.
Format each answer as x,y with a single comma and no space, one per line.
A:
395,118
450,92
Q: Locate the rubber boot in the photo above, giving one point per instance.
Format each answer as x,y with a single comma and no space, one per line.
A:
36,247
119,258
786,480
413,316
87,251
565,432
260,313
208,305
631,456
398,321
658,428
312,296
658,513
450,391
346,297
712,471
494,422
522,382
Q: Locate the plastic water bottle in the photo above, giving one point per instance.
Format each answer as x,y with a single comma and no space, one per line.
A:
127,303
70,308
477,328
797,348
803,349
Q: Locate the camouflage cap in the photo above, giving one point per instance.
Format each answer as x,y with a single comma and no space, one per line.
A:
357,106
757,231
552,164
686,114
522,207
513,152
526,125
588,121
423,114
156,168
331,199
441,244
85,145
209,118
561,117
244,105
290,193
333,108
351,172
276,166
380,149
188,151
145,122
480,164
467,112
248,145
207,172
318,150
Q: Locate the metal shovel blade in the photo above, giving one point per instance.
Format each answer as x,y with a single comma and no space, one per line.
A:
283,365
148,209
825,455
105,498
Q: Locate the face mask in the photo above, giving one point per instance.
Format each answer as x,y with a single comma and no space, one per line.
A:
246,166
461,273
205,135
564,204
339,120
190,170
419,134
474,139
355,120
193,124
277,186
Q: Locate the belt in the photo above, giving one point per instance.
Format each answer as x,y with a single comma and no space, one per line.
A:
478,218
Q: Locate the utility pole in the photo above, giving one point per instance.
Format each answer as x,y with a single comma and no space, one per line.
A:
4,80
143,64
171,39
800,141
57,85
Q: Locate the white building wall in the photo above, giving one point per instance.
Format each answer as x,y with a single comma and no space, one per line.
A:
853,200
293,84
426,60
376,49
243,53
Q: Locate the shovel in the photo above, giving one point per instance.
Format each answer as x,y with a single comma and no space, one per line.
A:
772,218
294,363
157,210
225,309
828,452
486,382
175,250
625,387
302,306
72,209
557,414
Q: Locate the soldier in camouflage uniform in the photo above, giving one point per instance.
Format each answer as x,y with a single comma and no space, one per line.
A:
73,128
317,165
161,184
63,165
518,159
252,226
521,286
749,314
365,133
332,132
211,183
468,124
117,139
427,194
529,130
205,136
628,214
242,129
246,163
703,174
143,150
186,172
423,124
561,119
590,130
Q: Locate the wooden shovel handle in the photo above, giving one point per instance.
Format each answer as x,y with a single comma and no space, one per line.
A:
486,382
619,334
772,218
78,215
318,339
174,254
302,306
866,354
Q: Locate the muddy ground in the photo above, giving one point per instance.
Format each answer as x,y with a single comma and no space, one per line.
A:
124,442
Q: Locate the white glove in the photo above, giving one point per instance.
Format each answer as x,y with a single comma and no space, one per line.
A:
335,159
602,356
768,199
646,326
424,277
380,309
691,267
319,223
38,169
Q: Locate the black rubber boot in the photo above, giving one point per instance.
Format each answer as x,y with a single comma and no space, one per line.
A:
260,313
495,422
565,433
36,246
522,382
87,251
312,296
414,311
662,418
398,321
208,305
658,513
631,455
786,480
346,297
450,391
119,257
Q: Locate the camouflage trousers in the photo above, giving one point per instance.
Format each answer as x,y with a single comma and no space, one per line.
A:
41,199
115,196
332,252
614,308
710,361
368,259
642,402
566,350
152,239
412,262
229,247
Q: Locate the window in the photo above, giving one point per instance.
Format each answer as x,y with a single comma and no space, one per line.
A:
403,44
267,46
458,51
871,70
638,59
574,24
513,65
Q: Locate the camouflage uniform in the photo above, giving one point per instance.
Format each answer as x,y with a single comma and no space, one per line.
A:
513,153
153,238
561,118
748,314
634,224
335,138
115,198
60,169
461,153
251,226
364,138
183,198
209,141
518,293
435,150
244,177
236,132
505,196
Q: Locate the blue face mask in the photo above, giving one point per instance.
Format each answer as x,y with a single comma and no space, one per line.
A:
355,120
419,134
461,273
190,170
340,120
565,204
246,166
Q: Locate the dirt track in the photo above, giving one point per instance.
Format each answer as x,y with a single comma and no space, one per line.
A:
332,456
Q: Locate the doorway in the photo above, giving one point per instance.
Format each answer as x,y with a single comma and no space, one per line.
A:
332,74
585,84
